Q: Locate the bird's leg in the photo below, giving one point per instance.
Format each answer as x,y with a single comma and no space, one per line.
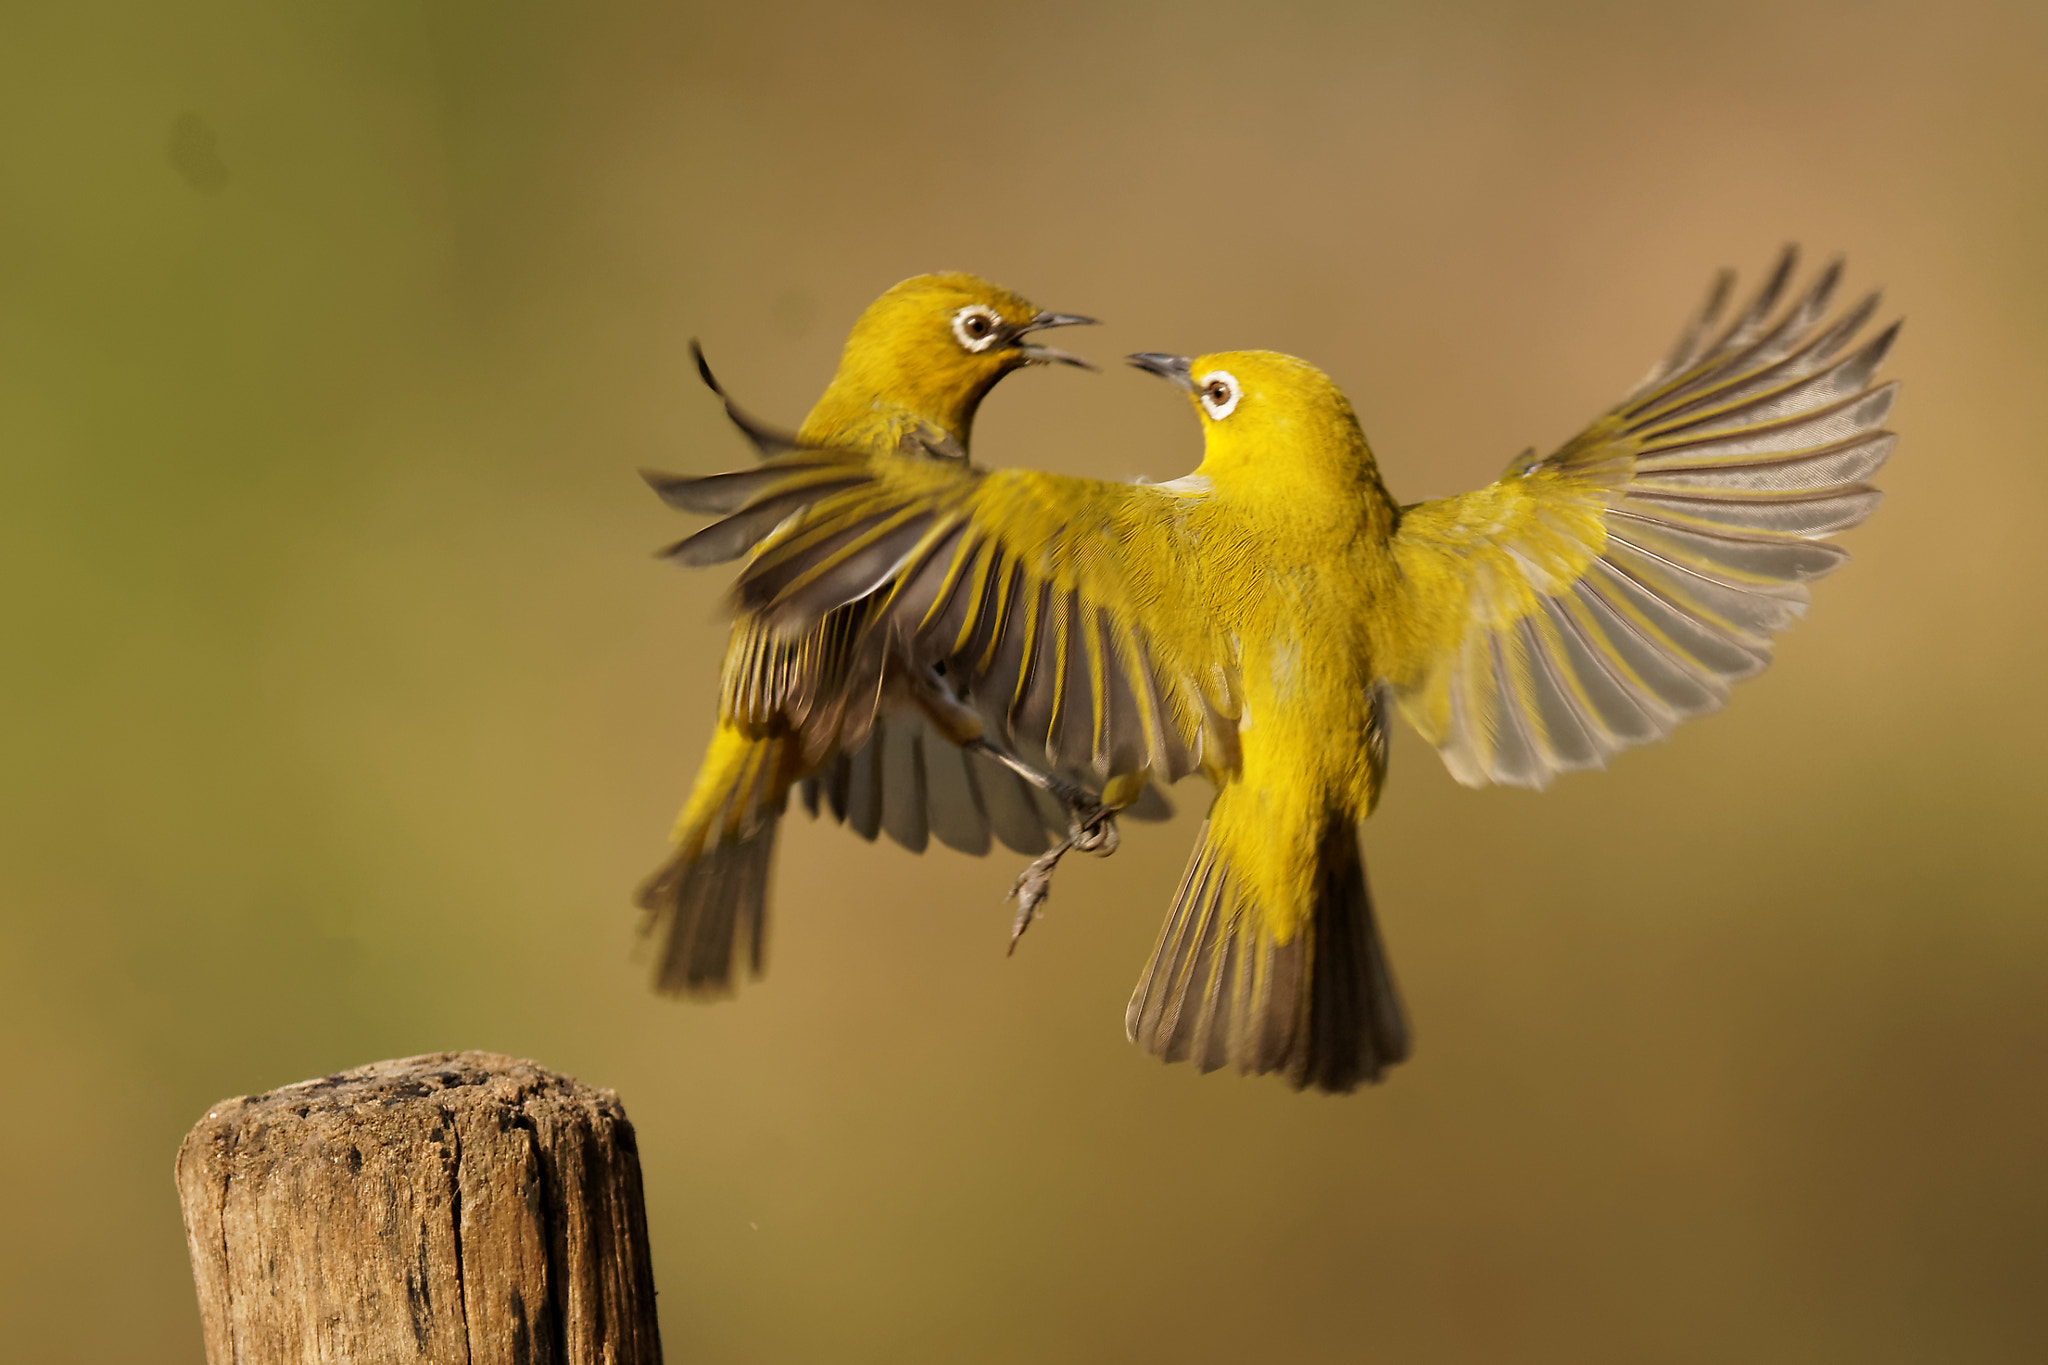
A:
1078,801
1031,888
1094,832
1091,826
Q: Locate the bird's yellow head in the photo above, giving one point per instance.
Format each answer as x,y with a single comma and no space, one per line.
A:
1270,420
928,351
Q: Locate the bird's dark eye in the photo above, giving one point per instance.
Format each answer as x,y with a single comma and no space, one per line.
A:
976,327
1219,393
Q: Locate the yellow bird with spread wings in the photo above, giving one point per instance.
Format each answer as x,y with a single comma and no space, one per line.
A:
1252,620
796,708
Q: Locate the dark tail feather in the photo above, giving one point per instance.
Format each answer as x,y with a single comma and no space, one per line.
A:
706,912
1321,1008
710,900
1356,1027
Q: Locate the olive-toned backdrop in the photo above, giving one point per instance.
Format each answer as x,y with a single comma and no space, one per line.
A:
344,705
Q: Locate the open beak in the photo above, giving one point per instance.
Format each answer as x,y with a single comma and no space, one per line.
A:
1052,355
1174,368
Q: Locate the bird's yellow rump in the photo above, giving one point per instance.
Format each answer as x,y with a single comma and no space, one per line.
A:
1251,619
797,707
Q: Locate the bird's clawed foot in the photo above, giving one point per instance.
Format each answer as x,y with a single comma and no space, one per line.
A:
1094,831
1091,828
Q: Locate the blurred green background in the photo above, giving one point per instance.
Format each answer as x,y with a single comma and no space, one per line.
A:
345,705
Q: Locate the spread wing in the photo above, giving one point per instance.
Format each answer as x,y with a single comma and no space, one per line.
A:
1060,610
1594,598
905,779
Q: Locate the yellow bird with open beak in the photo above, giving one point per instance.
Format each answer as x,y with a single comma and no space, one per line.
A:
914,370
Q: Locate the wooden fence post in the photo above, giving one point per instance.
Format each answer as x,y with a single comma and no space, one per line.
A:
458,1207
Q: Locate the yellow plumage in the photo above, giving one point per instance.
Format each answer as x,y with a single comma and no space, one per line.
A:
914,370
1248,619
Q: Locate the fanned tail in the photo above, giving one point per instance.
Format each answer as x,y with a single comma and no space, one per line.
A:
708,904
1221,990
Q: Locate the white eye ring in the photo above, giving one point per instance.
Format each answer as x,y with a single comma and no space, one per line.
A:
1219,391
977,326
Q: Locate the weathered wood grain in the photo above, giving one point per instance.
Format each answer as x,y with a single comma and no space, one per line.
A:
457,1207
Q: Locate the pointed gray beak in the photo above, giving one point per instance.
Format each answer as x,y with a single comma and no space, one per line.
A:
1053,355
1174,368
1045,320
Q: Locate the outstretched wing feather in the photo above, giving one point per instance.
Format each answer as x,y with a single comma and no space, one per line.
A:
1593,599
1019,585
